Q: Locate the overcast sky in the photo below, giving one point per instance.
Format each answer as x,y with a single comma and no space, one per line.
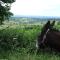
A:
36,7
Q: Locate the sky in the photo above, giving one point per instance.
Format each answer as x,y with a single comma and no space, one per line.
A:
36,7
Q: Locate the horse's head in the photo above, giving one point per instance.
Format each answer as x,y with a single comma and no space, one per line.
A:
42,37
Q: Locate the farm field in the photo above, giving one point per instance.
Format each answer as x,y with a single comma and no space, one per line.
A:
18,42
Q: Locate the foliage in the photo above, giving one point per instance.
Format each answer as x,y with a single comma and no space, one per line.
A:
16,43
5,6
11,39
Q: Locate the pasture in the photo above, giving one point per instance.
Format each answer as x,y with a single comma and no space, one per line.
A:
18,42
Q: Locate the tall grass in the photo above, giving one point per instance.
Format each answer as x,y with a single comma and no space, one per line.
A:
13,38
28,56
19,44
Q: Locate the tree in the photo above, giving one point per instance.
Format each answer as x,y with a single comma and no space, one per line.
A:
5,6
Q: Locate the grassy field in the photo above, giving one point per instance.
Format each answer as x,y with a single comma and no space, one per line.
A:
18,41
25,56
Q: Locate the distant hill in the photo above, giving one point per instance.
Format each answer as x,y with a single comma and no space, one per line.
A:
33,19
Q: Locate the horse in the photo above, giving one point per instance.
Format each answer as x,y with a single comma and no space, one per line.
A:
49,37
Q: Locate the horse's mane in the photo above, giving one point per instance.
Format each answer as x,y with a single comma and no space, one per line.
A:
45,27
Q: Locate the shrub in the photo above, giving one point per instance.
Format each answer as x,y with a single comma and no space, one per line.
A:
11,39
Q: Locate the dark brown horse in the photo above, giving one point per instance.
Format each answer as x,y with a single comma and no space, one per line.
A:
49,37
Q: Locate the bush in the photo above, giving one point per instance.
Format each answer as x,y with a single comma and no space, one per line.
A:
11,39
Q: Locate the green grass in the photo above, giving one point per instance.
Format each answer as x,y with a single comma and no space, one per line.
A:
28,56
26,36
23,36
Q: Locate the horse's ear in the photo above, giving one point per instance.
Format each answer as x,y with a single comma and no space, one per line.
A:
53,23
48,23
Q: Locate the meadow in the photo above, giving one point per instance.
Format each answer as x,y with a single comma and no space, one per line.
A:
18,42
